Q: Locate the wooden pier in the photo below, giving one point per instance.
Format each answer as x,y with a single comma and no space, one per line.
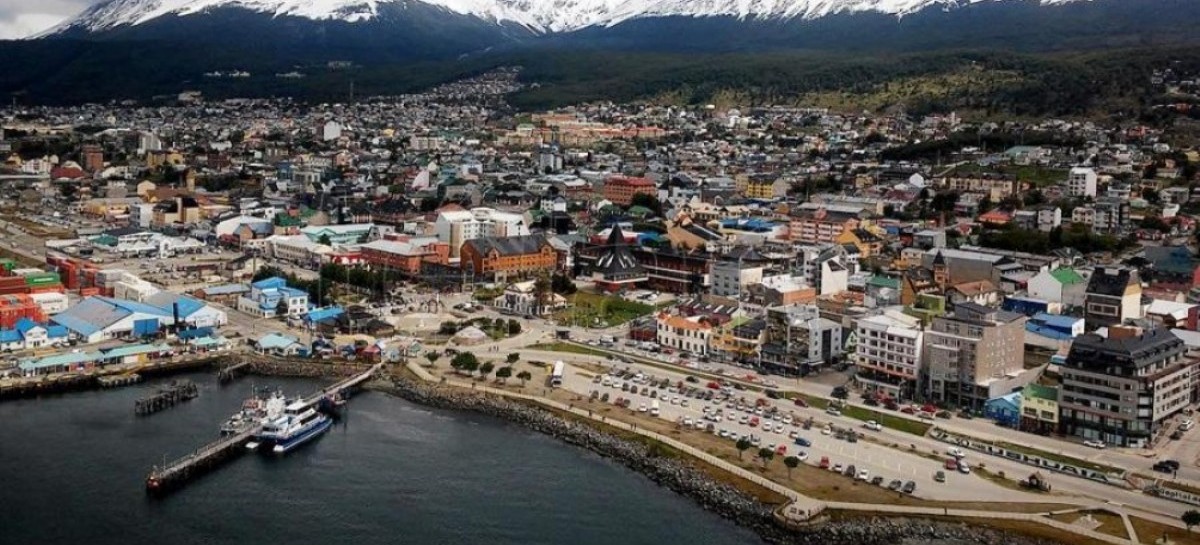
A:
175,474
168,396
115,381
228,373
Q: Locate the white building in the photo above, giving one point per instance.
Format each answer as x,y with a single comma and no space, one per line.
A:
455,227
683,333
331,130
1048,218
296,248
1081,182
1064,286
889,353
731,279
268,296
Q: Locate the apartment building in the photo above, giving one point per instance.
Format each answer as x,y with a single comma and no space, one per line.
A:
1081,182
505,258
889,354
821,226
456,227
798,338
732,279
996,186
621,189
974,354
1121,389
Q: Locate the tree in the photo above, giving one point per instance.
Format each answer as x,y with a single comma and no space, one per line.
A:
432,356
648,201
512,358
281,310
742,445
542,290
791,462
486,368
765,454
465,361
514,327
503,373
524,376
448,328
325,240
1190,518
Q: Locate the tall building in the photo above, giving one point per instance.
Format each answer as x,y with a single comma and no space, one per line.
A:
889,354
456,227
1081,182
732,279
1111,216
974,354
93,158
1121,389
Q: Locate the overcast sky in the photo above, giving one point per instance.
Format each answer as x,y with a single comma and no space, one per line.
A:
20,18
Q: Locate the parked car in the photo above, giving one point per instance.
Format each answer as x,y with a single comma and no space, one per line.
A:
940,476
964,467
824,462
1094,443
896,484
877,480
799,401
909,487
873,425
951,464
800,441
833,411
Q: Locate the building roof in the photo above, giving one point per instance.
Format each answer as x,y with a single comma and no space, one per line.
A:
1112,282
1066,276
1093,351
167,300
226,289
273,341
1037,391
508,246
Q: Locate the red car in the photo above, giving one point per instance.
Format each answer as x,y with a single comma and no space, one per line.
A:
800,402
714,386
951,464
781,450
908,410
824,462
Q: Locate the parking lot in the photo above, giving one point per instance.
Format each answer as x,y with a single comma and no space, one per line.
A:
817,438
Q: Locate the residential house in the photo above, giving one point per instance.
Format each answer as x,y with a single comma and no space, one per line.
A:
1114,295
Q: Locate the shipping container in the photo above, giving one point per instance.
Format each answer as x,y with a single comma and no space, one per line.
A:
42,279
88,292
145,328
48,288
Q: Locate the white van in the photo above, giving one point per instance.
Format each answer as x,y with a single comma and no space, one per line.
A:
654,408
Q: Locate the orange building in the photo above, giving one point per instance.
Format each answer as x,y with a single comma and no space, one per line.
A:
620,189
504,257
405,255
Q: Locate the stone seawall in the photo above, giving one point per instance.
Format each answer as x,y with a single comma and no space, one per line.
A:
306,369
682,477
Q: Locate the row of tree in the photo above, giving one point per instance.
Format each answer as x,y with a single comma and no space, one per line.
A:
466,362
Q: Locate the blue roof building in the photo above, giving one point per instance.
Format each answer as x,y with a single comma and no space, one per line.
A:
27,334
269,296
1005,410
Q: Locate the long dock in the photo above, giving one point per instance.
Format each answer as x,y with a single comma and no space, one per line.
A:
175,474
168,396
227,374
178,472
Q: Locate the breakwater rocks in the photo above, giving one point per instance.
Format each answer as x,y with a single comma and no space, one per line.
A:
682,477
305,368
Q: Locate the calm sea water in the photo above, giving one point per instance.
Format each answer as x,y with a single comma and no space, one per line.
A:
72,470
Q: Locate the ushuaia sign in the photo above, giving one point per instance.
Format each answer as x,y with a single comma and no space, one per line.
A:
996,450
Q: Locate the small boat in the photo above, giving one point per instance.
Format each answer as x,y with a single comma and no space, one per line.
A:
258,409
252,446
299,424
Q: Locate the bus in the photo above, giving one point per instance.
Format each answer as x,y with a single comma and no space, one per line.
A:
556,375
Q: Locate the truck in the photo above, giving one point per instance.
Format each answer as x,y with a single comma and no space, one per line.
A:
1035,482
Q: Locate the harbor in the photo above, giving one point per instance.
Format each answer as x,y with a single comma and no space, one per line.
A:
173,475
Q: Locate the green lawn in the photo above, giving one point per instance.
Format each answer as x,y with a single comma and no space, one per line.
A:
1060,458
1035,175
595,310
887,420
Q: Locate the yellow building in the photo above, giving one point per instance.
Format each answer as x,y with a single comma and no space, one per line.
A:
1039,408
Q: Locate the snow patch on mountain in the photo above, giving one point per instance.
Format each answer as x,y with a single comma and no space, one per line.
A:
539,15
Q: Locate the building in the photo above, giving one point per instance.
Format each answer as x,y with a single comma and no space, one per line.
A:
685,333
456,227
27,334
616,268
352,233
1081,182
1122,389
96,319
501,258
1062,285
1113,296
974,354
521,298
889,353
733,278
800,340
272,297
1110,216
821,226
1039,409
996,186
404,256
620,190
1004,410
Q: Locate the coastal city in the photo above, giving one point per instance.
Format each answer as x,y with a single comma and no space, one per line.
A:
836,315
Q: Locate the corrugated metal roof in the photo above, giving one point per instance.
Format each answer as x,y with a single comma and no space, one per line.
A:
90,315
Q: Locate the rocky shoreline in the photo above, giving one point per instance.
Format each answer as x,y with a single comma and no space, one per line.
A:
681,477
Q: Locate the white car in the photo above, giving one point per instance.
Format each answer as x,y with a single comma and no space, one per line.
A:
873,425
1094,443
1187,425
864,475
833,411
802,455
687,421
826,431
778,428
964,468
956,452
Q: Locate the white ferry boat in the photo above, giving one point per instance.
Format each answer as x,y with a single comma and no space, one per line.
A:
298,425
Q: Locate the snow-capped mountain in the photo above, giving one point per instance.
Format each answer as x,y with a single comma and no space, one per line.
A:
539,16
